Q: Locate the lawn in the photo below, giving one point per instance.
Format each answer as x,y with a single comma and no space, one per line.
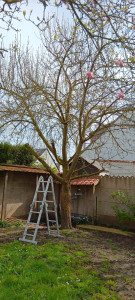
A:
79,266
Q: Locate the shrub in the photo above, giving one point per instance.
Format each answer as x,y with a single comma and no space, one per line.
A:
127,213
18,155
21,155
5,152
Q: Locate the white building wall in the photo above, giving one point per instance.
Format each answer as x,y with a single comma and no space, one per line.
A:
48,159
118,144
120,168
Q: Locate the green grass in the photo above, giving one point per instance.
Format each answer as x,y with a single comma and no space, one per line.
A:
50,271
4,224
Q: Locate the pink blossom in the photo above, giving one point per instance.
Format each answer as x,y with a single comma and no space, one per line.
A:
119,63
90,75
121,95
127,11
108,19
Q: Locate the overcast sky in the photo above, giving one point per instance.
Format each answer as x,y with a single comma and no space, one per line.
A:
26,29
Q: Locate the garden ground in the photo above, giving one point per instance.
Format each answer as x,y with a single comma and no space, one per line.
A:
81,265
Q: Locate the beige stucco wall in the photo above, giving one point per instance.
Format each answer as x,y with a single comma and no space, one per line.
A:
103,202
82,205
104,190
19,194
21,188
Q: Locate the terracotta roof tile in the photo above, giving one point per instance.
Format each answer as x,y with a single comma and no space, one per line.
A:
85,181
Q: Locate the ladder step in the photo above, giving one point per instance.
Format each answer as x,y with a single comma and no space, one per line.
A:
52,221
38,201
32,223
29,234
35,212
49,210
28,241
54,235
49,201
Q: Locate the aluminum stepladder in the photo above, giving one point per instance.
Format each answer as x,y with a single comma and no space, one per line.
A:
43,190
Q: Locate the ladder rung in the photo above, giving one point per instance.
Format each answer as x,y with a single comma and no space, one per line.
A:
38,201
32,223
41,191
28,241
49,191
52,221
43,181
35,212
50,210
49,201
29,234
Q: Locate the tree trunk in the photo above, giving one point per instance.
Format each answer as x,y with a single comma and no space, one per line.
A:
66,206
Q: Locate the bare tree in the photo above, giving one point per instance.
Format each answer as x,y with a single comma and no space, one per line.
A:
71,93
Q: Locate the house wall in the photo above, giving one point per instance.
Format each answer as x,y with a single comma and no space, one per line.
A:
87,168
19,193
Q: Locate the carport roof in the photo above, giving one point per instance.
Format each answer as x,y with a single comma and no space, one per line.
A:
22,169
85,181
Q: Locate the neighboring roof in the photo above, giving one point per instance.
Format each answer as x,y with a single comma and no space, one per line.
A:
85,181
94,162
40,151
22,169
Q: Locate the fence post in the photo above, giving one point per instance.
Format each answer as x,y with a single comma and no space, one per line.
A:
93,204
35,205
3,209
